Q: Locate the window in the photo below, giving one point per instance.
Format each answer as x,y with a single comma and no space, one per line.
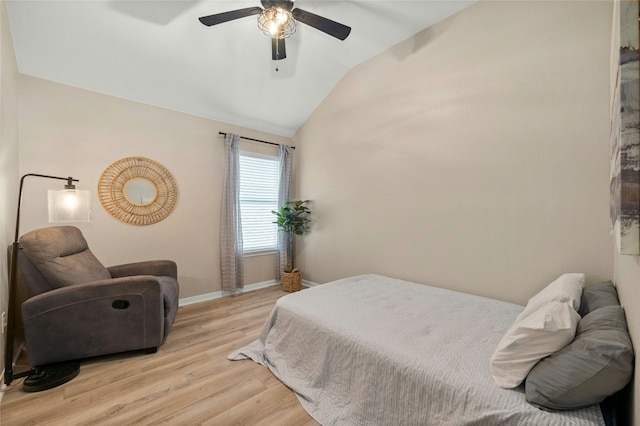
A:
259,179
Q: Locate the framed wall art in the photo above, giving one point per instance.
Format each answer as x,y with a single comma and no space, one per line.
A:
625,136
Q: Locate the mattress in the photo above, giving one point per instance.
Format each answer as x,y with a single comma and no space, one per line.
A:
373,350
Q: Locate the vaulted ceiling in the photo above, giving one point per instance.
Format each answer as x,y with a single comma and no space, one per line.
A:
157,52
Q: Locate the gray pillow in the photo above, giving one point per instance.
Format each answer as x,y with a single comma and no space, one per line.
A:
598,363
596,296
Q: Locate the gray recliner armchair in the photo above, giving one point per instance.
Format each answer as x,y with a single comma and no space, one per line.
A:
80,309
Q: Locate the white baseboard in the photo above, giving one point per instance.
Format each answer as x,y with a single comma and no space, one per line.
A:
218,294
3,387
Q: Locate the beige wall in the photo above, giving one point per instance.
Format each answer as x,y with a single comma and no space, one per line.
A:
66,131
8,155
472,156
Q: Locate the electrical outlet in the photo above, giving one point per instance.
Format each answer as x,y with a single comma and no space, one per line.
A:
4,322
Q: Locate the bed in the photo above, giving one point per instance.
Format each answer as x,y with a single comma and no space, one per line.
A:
373,350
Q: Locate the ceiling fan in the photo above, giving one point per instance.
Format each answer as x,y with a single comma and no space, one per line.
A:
278,21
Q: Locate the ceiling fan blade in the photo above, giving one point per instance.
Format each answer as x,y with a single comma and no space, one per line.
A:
278,49
323,24
220,18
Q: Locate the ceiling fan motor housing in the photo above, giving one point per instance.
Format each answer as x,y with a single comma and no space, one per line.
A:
284,4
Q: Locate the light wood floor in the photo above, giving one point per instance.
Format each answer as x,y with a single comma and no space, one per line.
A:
189,381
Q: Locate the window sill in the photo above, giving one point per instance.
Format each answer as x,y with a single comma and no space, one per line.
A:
259,253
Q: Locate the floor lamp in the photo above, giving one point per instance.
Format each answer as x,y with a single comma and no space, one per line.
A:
65,205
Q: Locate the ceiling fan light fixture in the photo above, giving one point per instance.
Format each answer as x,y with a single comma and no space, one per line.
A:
277,22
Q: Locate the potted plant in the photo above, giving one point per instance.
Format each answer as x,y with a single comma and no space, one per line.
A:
292,218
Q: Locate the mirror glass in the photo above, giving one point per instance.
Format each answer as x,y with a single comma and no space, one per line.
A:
140,191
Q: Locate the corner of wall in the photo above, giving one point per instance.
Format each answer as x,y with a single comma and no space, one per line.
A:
9,169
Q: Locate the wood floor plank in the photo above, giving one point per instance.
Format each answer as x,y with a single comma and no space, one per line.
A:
272,402
189,381
201,410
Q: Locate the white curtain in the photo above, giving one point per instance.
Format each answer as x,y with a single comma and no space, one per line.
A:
231,253
283,196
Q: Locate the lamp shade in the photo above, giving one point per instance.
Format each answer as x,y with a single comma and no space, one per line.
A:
69,205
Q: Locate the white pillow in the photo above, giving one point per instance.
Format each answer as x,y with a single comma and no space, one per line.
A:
545,331
567,288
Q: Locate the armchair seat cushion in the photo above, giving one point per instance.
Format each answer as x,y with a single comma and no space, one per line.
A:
151,267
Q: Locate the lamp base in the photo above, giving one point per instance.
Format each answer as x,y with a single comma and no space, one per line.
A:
50,376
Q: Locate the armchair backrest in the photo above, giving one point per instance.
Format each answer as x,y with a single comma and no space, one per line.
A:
62,256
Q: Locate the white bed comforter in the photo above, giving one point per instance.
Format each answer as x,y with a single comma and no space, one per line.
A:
371,350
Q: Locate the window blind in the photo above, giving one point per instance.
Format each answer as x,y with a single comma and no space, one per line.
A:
259,178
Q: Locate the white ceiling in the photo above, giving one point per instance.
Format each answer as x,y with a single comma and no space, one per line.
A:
157,52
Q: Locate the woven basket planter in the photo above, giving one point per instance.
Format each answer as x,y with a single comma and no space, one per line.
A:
291,280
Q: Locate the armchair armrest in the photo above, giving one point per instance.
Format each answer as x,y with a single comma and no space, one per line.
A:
100,317
157,268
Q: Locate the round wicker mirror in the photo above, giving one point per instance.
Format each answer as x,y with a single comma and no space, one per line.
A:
138,191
